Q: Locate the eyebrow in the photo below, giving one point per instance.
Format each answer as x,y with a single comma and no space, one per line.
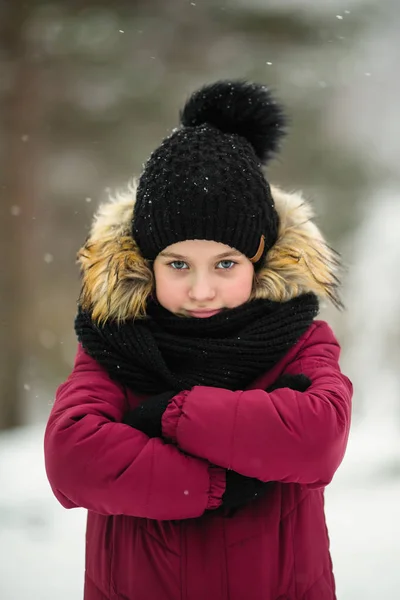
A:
180,257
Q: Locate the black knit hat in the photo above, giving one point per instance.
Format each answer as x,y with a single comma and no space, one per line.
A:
205,180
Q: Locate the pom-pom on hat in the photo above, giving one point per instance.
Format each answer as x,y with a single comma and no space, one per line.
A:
205,180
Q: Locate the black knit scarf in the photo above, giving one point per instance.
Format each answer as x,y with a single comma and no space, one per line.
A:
168,352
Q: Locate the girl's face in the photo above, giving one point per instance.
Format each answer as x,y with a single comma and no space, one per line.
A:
198,278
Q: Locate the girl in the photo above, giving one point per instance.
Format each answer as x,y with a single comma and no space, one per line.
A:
206,411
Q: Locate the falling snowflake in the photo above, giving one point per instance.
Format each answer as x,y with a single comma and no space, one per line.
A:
15,210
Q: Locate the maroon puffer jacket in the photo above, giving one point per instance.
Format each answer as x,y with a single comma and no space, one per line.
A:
149,536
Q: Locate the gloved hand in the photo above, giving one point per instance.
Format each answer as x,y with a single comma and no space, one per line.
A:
147,416
298,382
241,490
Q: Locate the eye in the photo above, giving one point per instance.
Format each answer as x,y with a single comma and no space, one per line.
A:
178,265
226,265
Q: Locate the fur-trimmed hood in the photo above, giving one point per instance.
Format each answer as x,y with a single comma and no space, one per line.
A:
117,280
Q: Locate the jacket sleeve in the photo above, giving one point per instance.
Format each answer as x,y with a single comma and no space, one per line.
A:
284,435
96,462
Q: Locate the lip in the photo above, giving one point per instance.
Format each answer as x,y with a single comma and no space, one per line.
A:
203,314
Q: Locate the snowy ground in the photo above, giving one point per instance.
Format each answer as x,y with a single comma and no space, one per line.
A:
42,545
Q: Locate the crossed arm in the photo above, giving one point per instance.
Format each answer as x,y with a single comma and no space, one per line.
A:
96,461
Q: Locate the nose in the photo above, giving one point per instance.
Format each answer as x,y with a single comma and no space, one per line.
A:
201,289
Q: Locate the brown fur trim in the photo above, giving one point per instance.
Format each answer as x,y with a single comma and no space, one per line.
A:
117,280
300,261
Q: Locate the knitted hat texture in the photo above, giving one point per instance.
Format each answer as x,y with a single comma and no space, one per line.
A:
205,180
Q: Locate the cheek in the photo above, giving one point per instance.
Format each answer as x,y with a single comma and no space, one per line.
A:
239,291
169,293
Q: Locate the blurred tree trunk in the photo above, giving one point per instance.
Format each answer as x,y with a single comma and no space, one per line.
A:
20,113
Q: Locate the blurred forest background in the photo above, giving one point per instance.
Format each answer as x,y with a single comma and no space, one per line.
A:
89,88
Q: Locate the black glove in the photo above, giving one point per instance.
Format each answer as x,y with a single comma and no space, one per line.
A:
295,382
241,490
147,416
